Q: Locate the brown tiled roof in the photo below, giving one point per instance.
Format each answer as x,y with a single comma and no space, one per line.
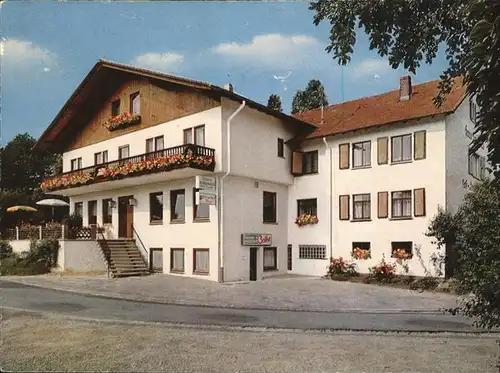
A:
383,109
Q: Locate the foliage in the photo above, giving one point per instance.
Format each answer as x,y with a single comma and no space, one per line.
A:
475,230
425,283
312,97
5,249
41,258
274,103
306,219
361,254
411,32
73,220
383,272
340,267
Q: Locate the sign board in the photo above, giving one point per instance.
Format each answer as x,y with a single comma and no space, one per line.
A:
208,198
206,183
256,239
206,190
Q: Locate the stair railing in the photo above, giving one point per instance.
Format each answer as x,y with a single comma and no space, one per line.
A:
143,247
100,231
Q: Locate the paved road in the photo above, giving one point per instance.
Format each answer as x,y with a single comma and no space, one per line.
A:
18,296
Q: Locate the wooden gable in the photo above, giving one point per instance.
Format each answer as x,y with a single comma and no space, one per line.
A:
159,103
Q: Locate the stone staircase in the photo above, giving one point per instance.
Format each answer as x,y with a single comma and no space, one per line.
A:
123,258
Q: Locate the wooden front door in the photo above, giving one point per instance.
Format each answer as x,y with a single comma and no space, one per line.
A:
253,263
125,217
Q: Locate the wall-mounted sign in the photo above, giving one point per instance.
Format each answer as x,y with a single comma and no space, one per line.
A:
256,239
206,190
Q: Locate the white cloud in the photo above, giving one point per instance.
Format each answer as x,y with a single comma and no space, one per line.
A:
370,68
166,62
20,54
275,51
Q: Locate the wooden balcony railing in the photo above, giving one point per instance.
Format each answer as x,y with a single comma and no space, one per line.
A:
189,155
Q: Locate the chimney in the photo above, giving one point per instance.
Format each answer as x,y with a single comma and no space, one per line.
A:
229,87
405,88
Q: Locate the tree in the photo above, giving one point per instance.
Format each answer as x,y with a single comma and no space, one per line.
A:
474,232
22,167
274,103
312,97
411,32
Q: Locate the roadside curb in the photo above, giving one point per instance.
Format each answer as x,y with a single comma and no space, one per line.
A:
231,307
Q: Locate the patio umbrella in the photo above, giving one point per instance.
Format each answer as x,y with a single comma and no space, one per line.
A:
21,208
53,203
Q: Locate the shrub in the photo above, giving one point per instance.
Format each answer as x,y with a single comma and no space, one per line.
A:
342,268
5,249
426,283
73,220
41,258
383,272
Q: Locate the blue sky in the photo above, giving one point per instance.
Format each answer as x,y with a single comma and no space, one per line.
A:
49,47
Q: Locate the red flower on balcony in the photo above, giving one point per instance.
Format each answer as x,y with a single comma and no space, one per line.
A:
122,121
306,219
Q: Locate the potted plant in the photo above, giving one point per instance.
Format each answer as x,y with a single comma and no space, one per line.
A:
306,219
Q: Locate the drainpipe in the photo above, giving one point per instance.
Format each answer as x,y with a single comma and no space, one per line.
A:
331,195
221,193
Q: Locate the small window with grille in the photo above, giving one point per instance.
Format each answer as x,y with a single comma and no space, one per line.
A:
312,252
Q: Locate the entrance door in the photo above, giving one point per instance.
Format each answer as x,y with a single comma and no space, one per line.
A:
253,263
125,217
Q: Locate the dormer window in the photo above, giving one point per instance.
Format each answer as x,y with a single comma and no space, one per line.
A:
115,108
135,103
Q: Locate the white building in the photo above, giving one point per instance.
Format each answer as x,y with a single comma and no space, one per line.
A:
344,165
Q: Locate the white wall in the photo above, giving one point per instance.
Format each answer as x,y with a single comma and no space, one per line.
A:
457,149
254,144
19,246
243,213
428,173
305,187
80,256
172,132
168,235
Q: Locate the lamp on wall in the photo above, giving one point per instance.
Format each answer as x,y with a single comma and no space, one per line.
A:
132,202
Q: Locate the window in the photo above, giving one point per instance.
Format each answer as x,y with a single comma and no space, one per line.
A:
307,206
199,135
361,206
270,258
201,261
107,216
310,162
154,145
101,157
289,258
135,103
269,207
472,110
177,260
92,212
79,209
201,212
401,148
195,135
123,152
115,108
405,245
156,207
156,259
76,164
281,148
312,252
177,205
361,154
401,204
477,165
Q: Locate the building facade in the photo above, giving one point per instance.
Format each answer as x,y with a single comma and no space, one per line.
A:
136,144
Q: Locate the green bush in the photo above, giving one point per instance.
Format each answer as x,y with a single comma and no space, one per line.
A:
73,220
5,249
40,259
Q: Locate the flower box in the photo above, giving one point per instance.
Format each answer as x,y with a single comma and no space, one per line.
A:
122,121
401,254
306,219
361,254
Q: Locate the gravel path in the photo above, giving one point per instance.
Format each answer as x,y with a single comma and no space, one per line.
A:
290,293
59,345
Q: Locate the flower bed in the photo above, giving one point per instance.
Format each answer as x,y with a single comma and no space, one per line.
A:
118,171
306,219
122,121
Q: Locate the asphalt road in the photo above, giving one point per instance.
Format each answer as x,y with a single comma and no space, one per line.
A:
22,297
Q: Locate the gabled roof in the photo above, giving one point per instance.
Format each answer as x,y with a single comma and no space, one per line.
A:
383,109
96,81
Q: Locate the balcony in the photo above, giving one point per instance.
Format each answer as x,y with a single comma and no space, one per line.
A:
159,162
